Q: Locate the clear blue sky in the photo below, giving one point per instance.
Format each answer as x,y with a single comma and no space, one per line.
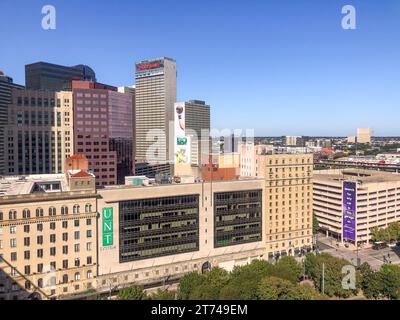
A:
278,66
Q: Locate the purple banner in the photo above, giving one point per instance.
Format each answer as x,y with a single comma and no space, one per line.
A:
349,210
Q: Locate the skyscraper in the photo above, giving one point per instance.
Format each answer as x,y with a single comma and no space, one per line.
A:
92,129
48,76
39,131
364,135
121,131
155,98
6,84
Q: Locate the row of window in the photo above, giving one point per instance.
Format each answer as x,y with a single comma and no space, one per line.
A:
26,213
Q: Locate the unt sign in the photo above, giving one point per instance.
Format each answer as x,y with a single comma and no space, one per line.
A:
107,221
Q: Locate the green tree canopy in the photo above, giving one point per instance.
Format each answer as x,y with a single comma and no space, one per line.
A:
132,293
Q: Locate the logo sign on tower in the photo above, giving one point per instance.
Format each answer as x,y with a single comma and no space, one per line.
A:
107,223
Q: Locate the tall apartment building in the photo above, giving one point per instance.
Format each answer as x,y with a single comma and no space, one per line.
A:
288,200
155,98
39,132
48,76
6,85
294,141
92,128
47,235
349,202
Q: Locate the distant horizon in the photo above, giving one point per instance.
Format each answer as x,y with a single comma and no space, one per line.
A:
278,67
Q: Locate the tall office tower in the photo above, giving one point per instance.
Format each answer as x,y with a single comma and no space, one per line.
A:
364,135
6,84
192,121
48,76
39,131
288,200
120,117
155,98
92,129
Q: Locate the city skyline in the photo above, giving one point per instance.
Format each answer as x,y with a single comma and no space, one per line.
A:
311,76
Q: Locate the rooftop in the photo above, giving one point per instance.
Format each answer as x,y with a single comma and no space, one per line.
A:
363,176
38,183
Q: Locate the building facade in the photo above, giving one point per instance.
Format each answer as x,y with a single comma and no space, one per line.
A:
289,202
48,76
39,132
92,129
155,98
154,233
47,236
349,202
6,85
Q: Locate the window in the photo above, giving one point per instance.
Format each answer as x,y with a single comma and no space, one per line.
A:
53,251
89,274
65,278
39,212
76,208
76,223
1,216
12,215
88,208
77,262
88,222
26,214
40,253
13,230
65,249
27,255
64,210
89,246
13,243
39,227
88,233
40,268
52,238
40,283
65,224
77,276
77,247
52,211
39,239
26,228
89,260
52,225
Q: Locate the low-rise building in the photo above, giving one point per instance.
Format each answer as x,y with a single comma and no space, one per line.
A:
349,202
47,235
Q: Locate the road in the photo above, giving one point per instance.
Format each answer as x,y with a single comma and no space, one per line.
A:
375,258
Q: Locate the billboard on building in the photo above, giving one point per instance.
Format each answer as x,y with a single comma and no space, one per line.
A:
181,141
349,210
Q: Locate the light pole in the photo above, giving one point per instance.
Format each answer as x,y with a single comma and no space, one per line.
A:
323,277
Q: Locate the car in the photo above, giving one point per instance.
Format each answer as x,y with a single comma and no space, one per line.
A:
379,245
392,245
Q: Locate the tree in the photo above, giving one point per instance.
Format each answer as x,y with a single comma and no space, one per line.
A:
315,224
213,282
273,288
288,268
163,294
132,293
333,274
389,276
188,283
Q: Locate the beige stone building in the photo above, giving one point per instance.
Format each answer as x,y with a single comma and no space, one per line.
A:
372,197
288,202
47,235
39,132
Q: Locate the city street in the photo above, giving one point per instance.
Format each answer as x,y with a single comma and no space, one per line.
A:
375,258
